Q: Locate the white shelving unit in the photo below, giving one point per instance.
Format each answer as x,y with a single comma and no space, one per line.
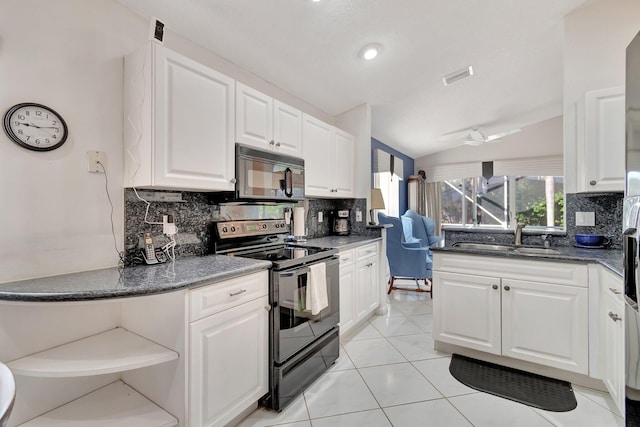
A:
115,405
116,350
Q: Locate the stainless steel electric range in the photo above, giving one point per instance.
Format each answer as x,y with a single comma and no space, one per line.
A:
302,345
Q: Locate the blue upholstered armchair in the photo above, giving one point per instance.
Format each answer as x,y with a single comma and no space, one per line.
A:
407,259
420,228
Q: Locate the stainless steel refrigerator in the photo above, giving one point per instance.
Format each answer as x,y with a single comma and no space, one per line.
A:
631,234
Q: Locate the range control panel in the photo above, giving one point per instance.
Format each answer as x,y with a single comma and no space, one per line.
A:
233,229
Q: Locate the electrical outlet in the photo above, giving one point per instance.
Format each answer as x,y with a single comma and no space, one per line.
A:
93,157
168,226
587,219
320,216
358,216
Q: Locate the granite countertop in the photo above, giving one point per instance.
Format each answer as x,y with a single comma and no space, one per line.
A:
130,282
610,258
341,242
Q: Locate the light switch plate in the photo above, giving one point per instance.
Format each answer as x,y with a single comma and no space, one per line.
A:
320,216
358,216
587,219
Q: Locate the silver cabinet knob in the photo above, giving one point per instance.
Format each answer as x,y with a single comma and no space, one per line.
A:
506,288
272,142
278,144
232,180
267,307
614,316
241,291
615,291
593,182
495,286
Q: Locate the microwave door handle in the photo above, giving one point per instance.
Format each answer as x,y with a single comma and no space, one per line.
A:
288,182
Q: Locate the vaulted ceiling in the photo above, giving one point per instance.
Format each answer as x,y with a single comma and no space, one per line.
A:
310,49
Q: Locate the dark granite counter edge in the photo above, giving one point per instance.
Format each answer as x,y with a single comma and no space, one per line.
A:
129,292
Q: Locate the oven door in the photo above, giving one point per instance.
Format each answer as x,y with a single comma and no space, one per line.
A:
294,326
268,175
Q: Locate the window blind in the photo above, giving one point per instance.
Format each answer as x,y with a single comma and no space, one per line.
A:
535,166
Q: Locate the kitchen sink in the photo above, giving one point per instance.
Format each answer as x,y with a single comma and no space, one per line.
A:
491,247
483,246
537,251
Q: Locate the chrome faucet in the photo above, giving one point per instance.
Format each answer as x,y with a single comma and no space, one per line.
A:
518,234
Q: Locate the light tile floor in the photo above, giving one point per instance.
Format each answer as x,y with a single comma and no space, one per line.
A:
389,375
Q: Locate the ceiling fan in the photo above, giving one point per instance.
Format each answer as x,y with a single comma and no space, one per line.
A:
475,137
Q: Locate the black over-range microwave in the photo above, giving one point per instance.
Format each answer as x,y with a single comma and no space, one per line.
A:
268,175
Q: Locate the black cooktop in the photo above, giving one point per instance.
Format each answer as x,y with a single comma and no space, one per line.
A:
287,255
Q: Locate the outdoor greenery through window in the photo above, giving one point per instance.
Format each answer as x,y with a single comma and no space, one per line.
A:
536,201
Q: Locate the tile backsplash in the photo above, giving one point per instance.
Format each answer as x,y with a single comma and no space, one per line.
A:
195,213
608,219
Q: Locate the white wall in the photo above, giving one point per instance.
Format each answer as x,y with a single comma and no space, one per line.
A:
538,140
596,37
66,54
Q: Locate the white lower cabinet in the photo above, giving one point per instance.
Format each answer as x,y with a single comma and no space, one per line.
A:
611,336
359,285
228,362
540,322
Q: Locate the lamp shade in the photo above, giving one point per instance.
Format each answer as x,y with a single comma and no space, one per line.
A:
377,201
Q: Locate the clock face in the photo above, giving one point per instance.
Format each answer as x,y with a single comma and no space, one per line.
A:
35,127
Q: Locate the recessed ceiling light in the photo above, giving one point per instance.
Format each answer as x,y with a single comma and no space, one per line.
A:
457,75
370,51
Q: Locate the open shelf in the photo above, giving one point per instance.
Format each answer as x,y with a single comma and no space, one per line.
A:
112,351
115,405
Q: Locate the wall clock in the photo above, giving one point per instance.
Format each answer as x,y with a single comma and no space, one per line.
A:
35,127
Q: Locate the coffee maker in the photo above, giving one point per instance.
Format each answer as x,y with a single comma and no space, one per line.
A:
341,223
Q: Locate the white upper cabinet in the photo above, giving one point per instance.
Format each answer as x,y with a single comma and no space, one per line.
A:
287,128
329,159
604,142
267,123
179,117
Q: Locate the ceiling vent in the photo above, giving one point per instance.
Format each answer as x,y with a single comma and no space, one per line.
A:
457,75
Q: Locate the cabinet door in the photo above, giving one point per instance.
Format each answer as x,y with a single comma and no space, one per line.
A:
194,114
367,286
228,363
254,117
466,311
287,129
546,324
611,320
343,150
316,142
347,301
605,140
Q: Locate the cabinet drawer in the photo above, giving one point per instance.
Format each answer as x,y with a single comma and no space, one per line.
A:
347,257
221,296
561,273
366,251
611,283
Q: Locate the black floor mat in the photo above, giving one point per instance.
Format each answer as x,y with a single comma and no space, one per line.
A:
520,386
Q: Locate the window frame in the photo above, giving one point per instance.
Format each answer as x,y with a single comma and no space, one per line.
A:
510,211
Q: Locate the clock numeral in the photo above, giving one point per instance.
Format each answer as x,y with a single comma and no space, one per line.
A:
28,137
17,123
21,117
56,129
37,141
55,136
47,141
55,122
20,131
27,112
38,113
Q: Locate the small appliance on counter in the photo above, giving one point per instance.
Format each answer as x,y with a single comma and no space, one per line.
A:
341,225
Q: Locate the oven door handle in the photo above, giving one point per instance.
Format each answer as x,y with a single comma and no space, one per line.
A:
296,272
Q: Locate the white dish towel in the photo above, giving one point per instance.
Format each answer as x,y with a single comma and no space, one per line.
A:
317,298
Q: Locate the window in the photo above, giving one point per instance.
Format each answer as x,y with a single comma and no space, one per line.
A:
536,201
390,188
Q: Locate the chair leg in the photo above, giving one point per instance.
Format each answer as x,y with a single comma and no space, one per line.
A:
430,286
391,279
